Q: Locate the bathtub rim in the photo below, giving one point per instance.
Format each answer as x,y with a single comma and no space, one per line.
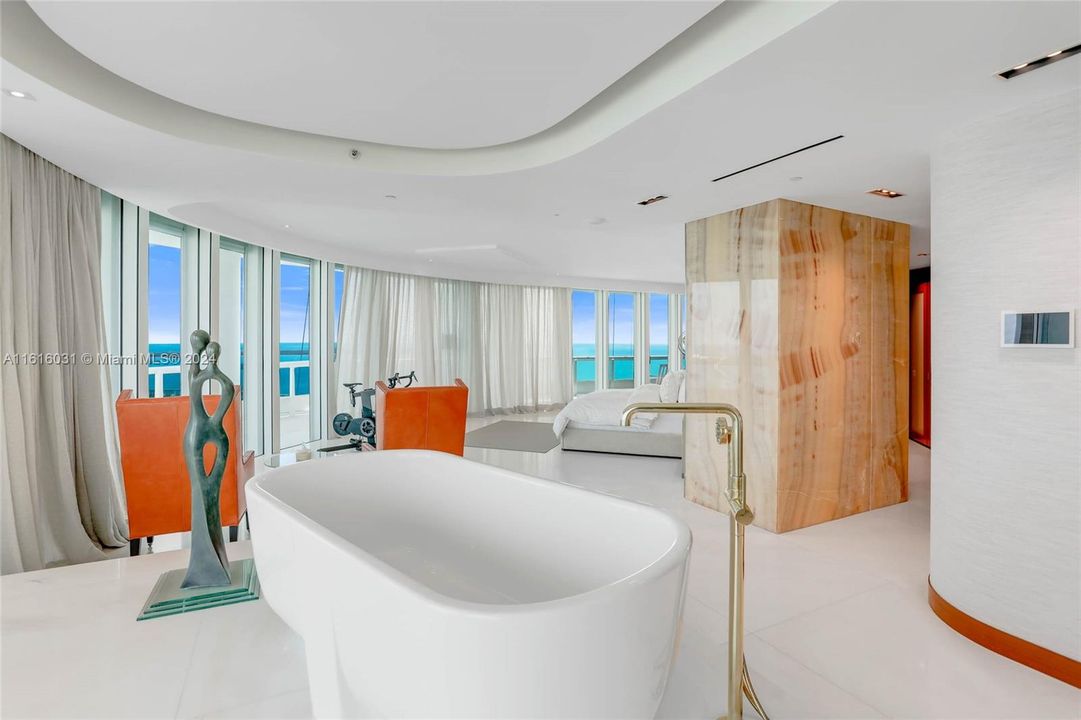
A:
676,554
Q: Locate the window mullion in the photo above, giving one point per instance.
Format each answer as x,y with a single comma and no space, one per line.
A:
271,344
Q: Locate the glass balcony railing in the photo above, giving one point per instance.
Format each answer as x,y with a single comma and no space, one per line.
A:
294,388
294,379
620,371
164,380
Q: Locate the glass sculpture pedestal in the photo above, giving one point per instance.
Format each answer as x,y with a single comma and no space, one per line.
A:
168,598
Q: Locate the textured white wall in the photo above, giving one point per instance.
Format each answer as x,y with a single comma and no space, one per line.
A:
1006,423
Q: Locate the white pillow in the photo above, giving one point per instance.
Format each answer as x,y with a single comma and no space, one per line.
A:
648,393
670,386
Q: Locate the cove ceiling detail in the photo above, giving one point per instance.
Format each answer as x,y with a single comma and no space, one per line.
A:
723,36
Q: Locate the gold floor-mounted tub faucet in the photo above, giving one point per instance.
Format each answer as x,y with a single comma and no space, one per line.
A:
739,682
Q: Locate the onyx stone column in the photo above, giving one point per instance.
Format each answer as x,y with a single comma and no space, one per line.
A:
798,316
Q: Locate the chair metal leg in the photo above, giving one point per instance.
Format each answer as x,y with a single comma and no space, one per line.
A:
133,546
234,533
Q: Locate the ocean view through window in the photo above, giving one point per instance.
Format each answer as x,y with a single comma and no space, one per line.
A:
584,340
658,336
621,340
164,262
294,347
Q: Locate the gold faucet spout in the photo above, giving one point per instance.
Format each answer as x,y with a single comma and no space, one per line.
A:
731,435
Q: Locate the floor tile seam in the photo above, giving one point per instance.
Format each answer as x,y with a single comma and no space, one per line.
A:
822,677
187,668
824,606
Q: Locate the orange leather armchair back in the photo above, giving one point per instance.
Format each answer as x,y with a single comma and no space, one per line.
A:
421,418
155,475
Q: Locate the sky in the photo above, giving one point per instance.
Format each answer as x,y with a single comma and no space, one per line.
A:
295,287
620,318
164,296
163,289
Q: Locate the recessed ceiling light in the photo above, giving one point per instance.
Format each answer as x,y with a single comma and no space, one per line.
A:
285,226
796,178
921,254
391,197
1044,61
883,192
20,94
654,199
598,221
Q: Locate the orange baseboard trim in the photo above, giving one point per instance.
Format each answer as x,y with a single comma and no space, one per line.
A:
1038,658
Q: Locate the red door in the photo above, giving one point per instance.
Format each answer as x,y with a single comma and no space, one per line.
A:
919,399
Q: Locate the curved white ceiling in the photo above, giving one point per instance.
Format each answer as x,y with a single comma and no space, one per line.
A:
424,74
722,37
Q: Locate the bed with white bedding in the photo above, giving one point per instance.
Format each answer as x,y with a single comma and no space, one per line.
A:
591,422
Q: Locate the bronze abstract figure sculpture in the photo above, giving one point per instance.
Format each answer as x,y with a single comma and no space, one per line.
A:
208,565
210,580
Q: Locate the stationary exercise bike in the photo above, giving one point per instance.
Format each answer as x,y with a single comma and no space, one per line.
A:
362,428
396,379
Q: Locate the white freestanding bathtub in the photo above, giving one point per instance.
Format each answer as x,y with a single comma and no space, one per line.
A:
426,585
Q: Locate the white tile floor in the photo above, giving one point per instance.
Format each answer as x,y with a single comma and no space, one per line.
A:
837,618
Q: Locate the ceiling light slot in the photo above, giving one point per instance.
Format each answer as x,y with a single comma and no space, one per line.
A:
886,193
1038,63
654,199
779,157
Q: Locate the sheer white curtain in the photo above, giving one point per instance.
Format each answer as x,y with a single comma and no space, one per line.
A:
59,456
510,344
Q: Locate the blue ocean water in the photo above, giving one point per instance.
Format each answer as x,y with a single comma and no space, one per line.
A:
297,379
621,357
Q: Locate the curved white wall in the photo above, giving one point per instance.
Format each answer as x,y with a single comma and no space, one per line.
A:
1006,423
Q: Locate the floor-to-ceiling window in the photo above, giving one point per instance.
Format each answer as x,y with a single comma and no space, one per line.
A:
657,336
240,327
584,340
621,340
231,308
164,299
294,350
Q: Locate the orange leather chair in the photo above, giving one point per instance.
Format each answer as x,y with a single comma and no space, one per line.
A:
155,475
422,418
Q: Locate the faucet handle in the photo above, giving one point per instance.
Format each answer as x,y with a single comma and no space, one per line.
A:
740,511
723,432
